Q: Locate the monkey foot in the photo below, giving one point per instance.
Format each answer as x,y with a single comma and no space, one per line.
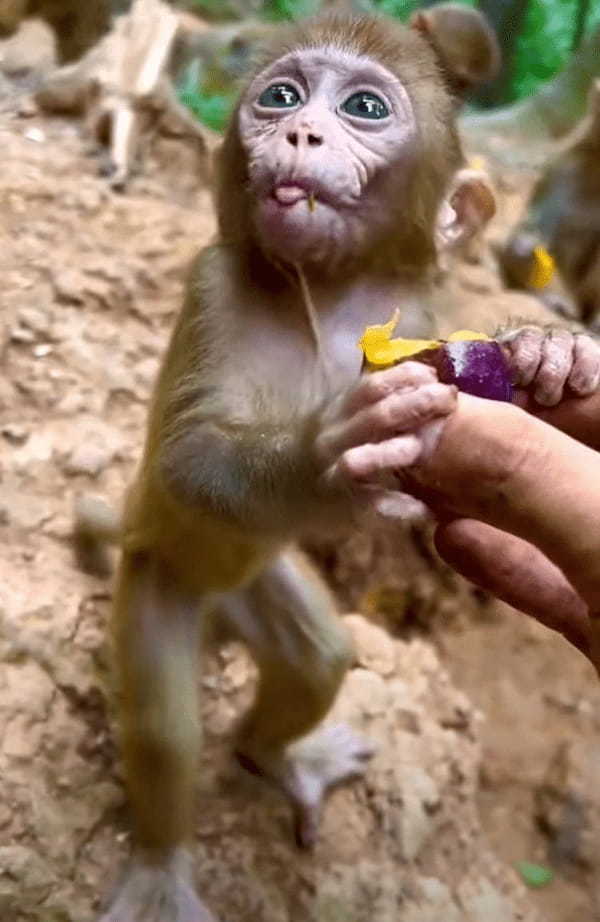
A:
309,768
158,893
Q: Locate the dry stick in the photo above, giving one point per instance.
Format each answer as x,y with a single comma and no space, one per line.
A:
148,38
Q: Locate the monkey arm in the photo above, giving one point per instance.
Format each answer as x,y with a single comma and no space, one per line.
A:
303,471
264,479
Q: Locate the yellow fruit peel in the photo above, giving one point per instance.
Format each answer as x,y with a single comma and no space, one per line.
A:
478,163
380,350
542,270
462,335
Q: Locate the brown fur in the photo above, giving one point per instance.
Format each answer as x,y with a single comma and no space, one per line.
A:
465,43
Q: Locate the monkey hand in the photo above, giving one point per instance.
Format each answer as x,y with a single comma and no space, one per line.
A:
158,892
308,768
380,426
551,360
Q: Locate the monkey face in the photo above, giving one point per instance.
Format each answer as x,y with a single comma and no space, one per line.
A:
330,138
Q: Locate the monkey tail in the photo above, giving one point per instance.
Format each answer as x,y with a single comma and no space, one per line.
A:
96,526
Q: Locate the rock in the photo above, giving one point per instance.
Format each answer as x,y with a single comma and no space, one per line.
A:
568,806
15,434
375,649
88,458
22,336
481,900
34,877
36,320
68,285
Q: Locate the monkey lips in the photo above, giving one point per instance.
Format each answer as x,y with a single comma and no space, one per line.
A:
290,194
471,361
298,222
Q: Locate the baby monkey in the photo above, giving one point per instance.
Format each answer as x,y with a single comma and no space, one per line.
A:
336,184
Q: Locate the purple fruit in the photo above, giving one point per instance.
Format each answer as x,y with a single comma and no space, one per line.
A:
475,366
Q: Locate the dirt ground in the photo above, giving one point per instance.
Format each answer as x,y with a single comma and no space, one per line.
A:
487,759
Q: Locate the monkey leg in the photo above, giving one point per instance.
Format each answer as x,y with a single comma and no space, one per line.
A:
156,635
288,619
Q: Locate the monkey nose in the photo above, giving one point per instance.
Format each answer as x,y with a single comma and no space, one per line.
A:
312,138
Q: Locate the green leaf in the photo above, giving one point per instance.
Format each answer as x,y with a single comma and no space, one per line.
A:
535,875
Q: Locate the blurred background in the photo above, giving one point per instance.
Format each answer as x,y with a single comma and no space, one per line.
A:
537,39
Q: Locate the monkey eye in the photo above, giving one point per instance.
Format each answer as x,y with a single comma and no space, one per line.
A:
366,105
279,96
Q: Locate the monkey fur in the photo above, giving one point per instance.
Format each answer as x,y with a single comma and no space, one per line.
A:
465,42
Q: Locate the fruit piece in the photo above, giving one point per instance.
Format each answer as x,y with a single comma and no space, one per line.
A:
472,361
467,334
380,350
476,367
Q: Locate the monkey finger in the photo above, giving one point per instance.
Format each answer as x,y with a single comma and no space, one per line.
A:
381,384
366,461
554,369
392,504
524,347
585,372
399,412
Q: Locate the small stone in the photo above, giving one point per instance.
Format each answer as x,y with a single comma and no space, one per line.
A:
88,458
374,647
15,434
34,876
27,107
42,350
34,319
22,336
35,134
68,286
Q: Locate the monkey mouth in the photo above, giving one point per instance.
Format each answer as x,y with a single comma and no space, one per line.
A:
288,194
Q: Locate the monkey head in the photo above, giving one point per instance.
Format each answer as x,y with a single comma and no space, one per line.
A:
342,148
320,129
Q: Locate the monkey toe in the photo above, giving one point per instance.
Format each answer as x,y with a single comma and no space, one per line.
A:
307,820
329,756
157,893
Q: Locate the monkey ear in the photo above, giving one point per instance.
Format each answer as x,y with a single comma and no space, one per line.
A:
420,22
466,210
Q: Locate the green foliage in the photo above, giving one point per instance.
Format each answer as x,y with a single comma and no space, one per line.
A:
212,109
401,9
544,45
535,875
542,48
276,10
